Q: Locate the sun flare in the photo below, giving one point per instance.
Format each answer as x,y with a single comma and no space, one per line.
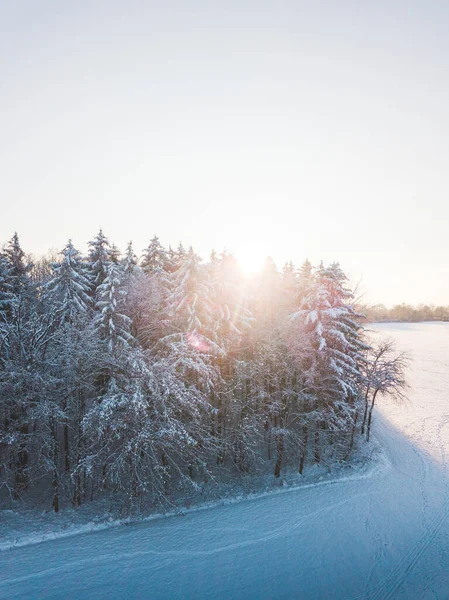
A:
250,260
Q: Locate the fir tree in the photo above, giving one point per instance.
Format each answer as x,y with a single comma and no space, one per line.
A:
110,321
154,257
304,280
330,347
129,261
149,430
6,288
190,345
172,260
17,267
99,258
114,255
69,286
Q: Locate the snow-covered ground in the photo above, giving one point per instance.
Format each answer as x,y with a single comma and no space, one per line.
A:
380,536
28,524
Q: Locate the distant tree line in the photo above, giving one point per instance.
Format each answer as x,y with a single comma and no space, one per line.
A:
379,313
152,377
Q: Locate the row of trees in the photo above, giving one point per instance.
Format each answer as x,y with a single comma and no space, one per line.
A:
150,377
407,313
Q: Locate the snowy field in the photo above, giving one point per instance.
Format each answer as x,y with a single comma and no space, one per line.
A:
382,535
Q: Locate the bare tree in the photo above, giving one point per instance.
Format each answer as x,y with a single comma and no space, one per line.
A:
385,375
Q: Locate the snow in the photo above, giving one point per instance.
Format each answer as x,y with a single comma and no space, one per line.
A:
27,526
379,534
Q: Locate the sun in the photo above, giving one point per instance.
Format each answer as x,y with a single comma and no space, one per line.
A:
250,260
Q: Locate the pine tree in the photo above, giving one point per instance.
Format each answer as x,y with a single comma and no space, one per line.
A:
6,288
327,339
154,257
18,299
129,261
99,258
18,269
172,260
149,431
231,316
266,295
179,256
189,302
344,330
231,321
190,344
304,281
114,255
113,325
69,287
25,334
289,288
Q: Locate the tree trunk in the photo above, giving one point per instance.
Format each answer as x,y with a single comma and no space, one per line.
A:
104,470
134,484
78,491
21,477
351,443
368,429
365,413
316,450
66,449
280,454
55,482
77,488
219,428
302,460
166,479
269,442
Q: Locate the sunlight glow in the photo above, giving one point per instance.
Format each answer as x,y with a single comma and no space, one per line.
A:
251,260
198,342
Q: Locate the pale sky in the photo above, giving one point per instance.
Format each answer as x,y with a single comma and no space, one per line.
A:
293,129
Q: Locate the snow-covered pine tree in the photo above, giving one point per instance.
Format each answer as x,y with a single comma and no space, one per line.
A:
305,279
5,289
99,259
231,315
190,344
18,267
132,282
154,257
147,288
189,301
129,262
67,296
148,433
172,262
345,333
266,296
115,254
231,321
327,340
113,326
179,256
18,299
289,288
26,333
69,287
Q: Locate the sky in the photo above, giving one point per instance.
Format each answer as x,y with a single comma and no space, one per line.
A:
291,129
